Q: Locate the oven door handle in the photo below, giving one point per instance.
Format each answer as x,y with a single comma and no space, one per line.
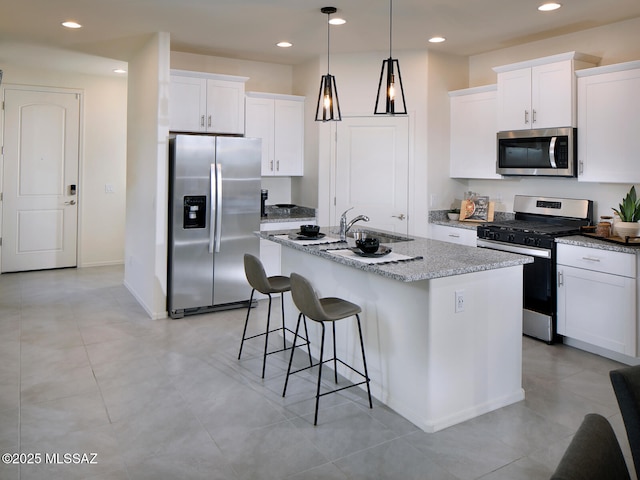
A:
507,247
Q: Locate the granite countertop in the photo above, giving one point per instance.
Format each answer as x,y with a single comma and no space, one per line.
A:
439,217
293,214
590,242
439,259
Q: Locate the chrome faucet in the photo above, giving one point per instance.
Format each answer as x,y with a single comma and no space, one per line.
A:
344,226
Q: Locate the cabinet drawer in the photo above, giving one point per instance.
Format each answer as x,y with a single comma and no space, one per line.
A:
461,236
616,263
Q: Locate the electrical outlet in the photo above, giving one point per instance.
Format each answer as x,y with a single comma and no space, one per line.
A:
459,301
108,188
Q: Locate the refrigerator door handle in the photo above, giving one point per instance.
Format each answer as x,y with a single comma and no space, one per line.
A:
213,208
219,207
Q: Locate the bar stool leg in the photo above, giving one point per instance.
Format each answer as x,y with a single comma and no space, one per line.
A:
306,332
286,380
315,418
284,332
364,361
335,355
266,337
246,322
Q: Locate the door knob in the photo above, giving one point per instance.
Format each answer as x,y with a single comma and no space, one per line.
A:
401,216
72,202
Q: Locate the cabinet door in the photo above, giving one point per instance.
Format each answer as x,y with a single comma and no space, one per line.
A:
597,308
289,137
187,104
473,136
514,100
225,106
552,95
608,126
259,124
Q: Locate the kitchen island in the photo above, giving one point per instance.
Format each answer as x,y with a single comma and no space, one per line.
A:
442,327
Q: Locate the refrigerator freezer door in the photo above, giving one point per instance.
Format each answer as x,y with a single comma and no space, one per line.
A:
238,163
190,265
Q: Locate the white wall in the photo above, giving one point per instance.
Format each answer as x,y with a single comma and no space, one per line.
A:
615,43
147,165
102,158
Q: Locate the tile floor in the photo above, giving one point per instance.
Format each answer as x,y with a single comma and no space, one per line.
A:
84,370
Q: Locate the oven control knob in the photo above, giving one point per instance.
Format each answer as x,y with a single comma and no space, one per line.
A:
511,237
495,236
529,241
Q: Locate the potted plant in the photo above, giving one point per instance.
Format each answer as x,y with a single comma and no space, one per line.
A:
454,214
629,213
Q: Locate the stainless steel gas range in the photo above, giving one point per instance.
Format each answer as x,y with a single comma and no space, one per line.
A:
538,222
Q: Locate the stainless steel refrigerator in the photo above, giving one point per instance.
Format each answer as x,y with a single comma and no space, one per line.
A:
214,208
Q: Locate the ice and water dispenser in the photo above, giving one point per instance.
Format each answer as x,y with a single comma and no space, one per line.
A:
194,211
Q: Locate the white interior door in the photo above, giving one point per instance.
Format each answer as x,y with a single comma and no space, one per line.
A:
41,153
372,170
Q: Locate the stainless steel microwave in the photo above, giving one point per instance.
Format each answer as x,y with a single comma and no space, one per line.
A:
543,152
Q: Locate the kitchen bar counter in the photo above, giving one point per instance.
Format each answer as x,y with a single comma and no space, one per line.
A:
439,259
443,334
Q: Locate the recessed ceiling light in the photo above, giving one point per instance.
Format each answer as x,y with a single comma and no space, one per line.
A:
437,39
548,7
71,24
284,44
119,70
337,21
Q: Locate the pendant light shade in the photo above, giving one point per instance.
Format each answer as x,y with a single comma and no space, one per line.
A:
328,108
390,99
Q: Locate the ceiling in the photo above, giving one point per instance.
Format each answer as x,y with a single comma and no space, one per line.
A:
249,29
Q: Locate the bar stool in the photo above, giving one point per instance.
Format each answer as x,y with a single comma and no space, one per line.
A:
321,310
257,278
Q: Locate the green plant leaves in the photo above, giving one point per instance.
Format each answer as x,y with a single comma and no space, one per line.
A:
629,210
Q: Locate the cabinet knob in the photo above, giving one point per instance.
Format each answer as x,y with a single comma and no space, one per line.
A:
526,116
209,121
401,216
534,116
202,121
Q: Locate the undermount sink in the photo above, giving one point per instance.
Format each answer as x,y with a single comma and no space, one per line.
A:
382,237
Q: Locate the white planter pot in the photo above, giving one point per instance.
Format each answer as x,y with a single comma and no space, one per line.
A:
628,229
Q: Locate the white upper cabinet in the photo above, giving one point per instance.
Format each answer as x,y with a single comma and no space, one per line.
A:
201,102
539,93
473,133
279,121
609,123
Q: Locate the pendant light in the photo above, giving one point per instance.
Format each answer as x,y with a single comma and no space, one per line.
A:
393,90
328,108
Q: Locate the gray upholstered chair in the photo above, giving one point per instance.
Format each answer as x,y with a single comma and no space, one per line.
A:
258,279
323,310
593,454
626,385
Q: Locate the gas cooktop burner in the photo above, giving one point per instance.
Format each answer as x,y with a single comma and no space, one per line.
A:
539,228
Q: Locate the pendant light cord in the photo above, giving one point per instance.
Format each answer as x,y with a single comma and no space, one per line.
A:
328,40
390,25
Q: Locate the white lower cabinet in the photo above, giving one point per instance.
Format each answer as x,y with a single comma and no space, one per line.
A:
461,236
597,298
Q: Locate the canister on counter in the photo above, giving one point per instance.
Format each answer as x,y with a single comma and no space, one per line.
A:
603,229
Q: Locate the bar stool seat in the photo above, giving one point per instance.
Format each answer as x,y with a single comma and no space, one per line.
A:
321,310
258,280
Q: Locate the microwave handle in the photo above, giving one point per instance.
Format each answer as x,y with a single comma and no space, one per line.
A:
552,152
